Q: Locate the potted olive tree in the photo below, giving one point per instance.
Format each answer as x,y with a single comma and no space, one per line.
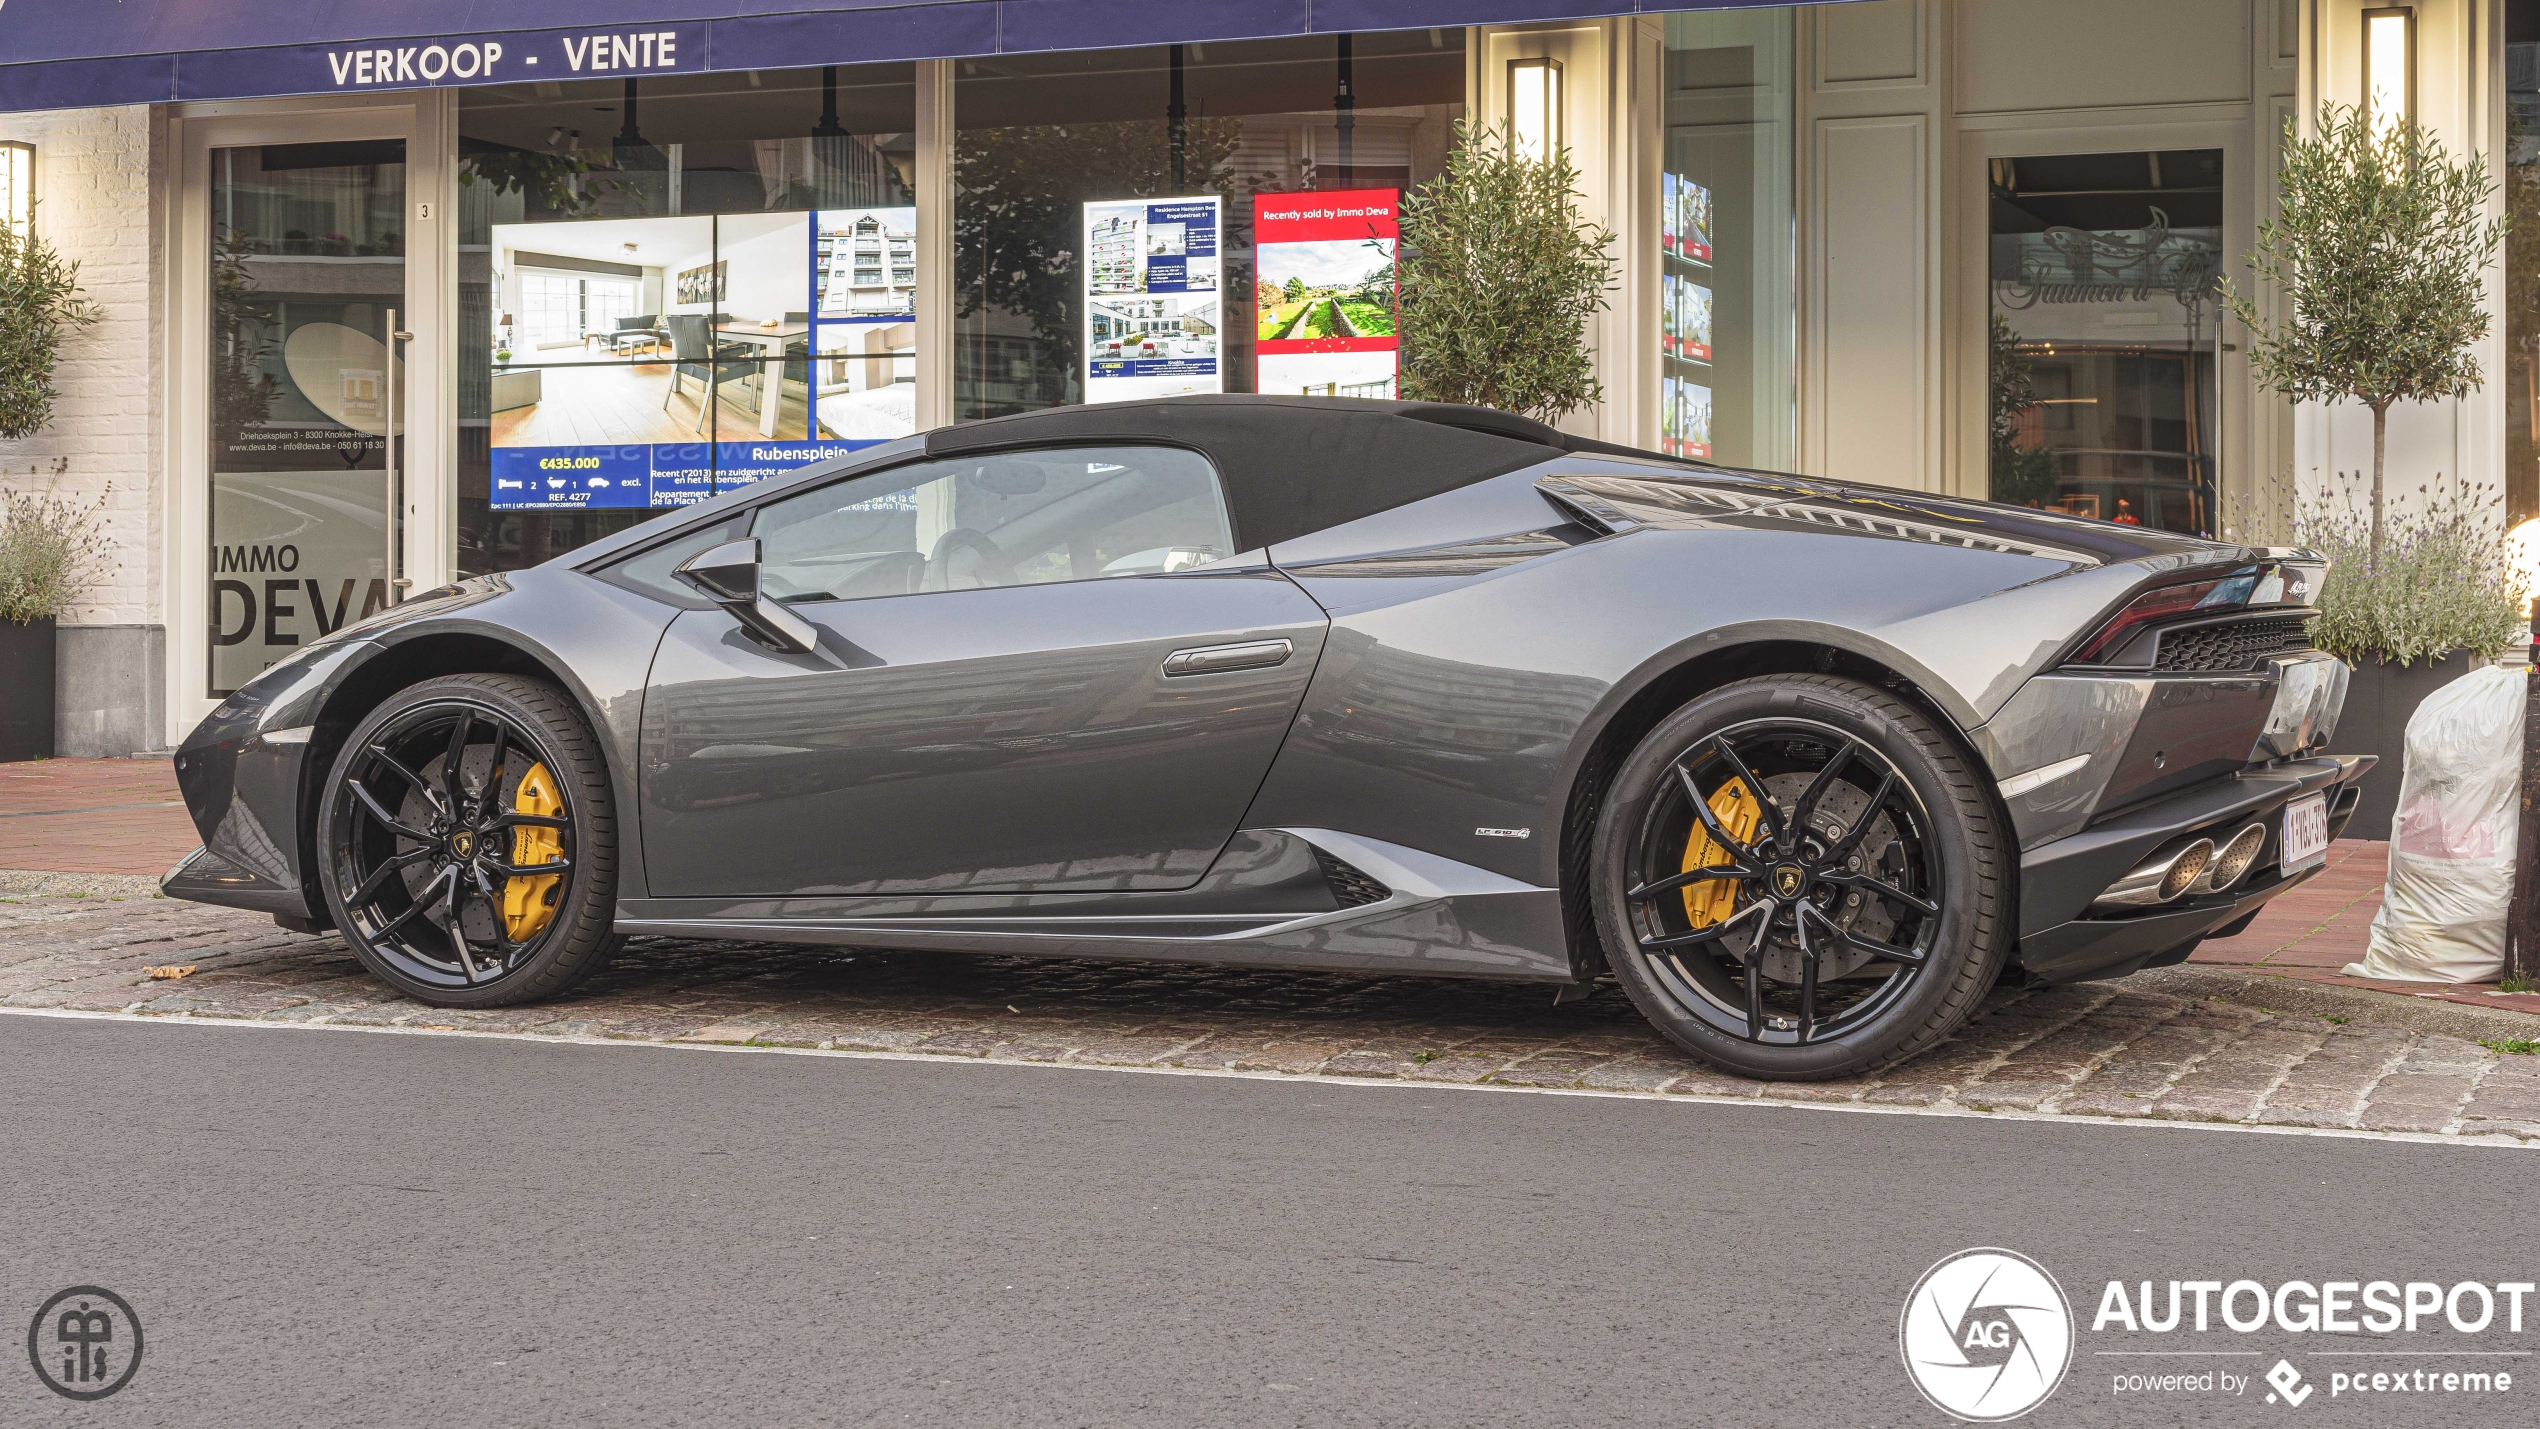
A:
48,546
1500,274
40,307
2378,256
49,556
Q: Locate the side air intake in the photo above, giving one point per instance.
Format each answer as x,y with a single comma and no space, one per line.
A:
1351,887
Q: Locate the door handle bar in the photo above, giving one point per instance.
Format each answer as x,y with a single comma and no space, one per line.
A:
1218,659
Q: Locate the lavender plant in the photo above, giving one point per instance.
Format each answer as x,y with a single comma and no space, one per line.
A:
51,552
2442,582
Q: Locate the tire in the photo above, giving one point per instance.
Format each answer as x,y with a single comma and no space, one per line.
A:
1898,879
516,944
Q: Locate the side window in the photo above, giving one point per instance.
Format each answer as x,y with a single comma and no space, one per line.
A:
1032,517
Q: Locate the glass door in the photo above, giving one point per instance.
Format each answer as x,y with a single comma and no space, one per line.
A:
306,278
1727,365
2105,335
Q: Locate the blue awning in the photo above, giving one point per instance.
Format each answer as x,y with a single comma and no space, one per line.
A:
58,54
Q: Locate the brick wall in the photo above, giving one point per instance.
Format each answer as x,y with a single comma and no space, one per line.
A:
93,171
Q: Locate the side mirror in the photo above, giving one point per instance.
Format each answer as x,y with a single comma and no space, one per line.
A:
728,575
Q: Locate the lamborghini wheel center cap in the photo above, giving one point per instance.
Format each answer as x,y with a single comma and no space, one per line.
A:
1788,879
463,843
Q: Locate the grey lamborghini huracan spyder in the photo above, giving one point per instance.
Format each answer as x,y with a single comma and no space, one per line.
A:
1375,686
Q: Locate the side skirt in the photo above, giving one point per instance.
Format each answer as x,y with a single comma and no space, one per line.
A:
1438,918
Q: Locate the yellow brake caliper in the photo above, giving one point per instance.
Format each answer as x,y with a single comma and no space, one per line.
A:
1713,900
530,903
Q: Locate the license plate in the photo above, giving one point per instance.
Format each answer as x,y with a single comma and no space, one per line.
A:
2305,832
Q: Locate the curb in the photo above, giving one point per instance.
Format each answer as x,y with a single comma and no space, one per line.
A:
1948,1107
2278,994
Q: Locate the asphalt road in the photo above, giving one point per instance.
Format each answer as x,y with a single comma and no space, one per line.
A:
333,1227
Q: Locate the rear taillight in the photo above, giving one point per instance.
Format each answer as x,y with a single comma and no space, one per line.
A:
2169,602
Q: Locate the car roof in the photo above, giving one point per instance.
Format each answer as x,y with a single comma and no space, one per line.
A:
1296,465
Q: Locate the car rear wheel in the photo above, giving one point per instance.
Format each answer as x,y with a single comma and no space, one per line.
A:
1800,877
467,842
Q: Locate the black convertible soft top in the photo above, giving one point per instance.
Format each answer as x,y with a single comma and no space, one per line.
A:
1296,465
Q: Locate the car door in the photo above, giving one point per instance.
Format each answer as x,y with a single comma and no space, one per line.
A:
1038,670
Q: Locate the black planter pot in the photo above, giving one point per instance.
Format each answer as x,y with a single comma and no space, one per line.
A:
26,689
2378,704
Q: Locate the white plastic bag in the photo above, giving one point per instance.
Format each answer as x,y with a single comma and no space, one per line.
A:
2442,916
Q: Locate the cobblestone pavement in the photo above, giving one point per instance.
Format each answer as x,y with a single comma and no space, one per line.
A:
2098,1050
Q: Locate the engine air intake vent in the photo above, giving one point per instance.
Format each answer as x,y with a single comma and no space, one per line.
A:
2234,646
1351,887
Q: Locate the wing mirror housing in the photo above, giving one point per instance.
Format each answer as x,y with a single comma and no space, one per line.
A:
728,575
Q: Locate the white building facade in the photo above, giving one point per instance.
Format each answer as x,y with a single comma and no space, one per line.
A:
1831,221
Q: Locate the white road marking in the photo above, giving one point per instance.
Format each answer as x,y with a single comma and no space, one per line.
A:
1307,1079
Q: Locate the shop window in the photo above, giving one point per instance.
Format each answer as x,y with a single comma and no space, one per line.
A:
674,286
2105,335
1726,325
1103,214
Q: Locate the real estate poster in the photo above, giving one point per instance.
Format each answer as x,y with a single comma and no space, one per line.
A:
1693,321
1153,300
1692,227
1324,292
650,362
1685,412
864,323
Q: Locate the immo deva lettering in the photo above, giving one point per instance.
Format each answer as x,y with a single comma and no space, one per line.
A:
240,608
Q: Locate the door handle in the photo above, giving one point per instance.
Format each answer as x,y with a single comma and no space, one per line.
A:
1218,659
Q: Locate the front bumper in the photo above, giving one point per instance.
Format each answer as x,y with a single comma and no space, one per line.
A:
2061,940
242,774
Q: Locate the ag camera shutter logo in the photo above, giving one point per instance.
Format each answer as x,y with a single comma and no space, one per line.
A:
1986,1335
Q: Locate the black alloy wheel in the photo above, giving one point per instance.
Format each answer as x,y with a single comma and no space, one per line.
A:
1799,877
467,846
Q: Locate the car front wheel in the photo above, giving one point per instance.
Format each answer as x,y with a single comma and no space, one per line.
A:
467,842
1800,877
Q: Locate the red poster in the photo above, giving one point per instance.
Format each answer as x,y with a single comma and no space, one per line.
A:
1324,293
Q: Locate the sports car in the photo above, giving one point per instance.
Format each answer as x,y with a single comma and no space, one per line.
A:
1806,766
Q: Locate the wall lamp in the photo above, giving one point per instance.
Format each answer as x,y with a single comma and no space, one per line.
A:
1534,107
17,187
2390,68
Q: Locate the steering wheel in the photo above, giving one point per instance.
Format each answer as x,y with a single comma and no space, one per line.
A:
991,557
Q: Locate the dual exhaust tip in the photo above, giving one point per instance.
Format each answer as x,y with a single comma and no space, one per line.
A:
2197,868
